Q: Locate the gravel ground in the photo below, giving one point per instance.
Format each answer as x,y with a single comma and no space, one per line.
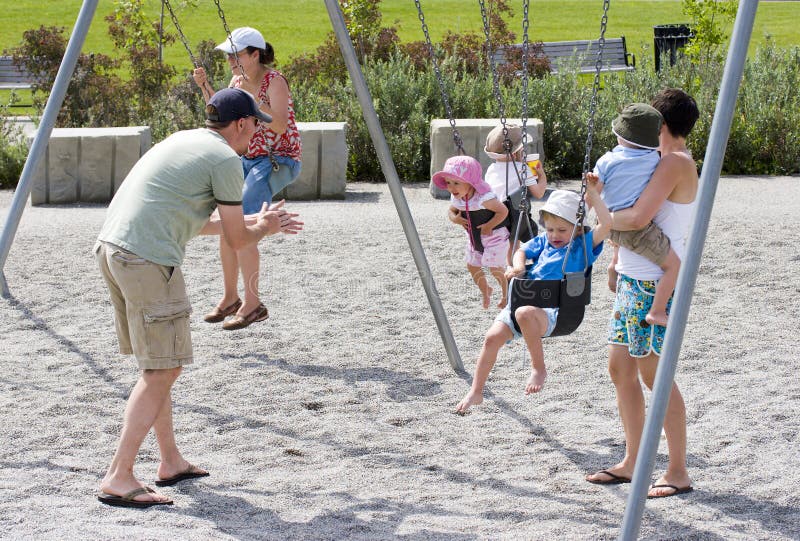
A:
333,420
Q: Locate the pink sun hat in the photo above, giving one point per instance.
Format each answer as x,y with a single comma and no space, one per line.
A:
463,169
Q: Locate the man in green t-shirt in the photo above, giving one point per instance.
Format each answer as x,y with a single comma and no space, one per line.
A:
169,197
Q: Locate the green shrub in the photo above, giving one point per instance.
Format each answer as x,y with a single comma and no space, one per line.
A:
13,152
765,135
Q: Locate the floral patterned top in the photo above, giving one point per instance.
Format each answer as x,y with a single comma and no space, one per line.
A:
286,144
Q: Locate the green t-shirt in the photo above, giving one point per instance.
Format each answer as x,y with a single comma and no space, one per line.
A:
170,193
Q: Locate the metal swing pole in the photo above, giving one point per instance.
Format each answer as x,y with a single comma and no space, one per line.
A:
42,137
393,180
712,166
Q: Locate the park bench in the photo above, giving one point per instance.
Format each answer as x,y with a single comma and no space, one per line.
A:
561,53
12,77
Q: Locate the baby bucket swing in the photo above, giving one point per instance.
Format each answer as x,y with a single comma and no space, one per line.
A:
572,293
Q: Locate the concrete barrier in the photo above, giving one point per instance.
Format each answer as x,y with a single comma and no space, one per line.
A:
324,171
473,133
87,164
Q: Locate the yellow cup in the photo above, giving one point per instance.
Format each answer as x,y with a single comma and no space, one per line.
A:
532,161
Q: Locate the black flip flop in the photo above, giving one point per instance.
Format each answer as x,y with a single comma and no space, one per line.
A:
184,475
128,499
615,479
677,490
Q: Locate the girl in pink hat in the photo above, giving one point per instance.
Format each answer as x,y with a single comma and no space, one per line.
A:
475,207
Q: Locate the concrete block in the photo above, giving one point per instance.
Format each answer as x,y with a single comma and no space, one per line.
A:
87,164
324,171
62,169
95,168
473,133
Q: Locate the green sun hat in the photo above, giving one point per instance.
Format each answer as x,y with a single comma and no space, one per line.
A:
638,123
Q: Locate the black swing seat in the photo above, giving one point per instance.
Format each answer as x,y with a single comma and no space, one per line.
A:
478,218
570,295
512,221
516,218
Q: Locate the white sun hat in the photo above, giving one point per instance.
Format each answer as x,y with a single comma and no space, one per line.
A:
243,38
564,204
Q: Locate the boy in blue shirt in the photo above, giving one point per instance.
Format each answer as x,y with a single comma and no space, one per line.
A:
548,251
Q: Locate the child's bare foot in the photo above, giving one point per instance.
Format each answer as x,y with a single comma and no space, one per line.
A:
536,381
470,399
657,318
612,279
487,296
503,302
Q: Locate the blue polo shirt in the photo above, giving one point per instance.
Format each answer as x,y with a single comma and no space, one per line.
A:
549,260
625,172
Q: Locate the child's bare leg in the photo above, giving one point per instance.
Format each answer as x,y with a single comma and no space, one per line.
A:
500,275
533,324
479,277
497,335
612,271
666,285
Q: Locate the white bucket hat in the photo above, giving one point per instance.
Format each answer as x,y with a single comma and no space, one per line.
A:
243,38
564,204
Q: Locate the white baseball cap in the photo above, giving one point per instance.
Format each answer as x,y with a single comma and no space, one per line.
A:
564,204
243,38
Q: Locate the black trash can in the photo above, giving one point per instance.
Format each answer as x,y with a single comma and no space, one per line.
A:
667,39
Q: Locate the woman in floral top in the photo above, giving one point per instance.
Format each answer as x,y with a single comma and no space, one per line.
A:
272,162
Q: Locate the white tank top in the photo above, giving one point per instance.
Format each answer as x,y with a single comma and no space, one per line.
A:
674,219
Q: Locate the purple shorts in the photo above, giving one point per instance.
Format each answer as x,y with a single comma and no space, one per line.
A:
495,250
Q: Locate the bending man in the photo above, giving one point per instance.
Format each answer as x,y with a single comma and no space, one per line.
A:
166,199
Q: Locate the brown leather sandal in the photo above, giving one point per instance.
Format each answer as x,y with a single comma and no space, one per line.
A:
240,322
216,315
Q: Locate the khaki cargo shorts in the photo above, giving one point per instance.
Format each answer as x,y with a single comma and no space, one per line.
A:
151,308
649,242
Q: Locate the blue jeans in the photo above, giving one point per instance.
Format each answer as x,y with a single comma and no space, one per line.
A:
258,185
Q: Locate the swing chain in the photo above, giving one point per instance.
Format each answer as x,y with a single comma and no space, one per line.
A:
593,108
501,108
456,135
495,78
230,38
522,172
525,27
181,36
525,204
206,88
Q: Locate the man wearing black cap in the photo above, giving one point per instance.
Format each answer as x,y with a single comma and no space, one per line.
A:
168,198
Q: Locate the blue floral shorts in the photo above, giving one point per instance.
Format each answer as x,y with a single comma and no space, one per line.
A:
628,326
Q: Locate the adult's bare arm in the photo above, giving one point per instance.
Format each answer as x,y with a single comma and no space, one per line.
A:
242,230
661,185
278,105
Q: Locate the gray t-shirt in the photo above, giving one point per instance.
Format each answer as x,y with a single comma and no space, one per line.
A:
170,193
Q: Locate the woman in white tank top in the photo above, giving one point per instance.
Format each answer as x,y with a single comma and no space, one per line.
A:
634,345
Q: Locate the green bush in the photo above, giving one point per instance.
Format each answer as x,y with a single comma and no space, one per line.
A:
13,152
764,138
765,135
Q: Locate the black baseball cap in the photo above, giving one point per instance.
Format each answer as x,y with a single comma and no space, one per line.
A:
233,104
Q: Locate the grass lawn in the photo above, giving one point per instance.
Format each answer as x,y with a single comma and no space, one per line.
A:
297,26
